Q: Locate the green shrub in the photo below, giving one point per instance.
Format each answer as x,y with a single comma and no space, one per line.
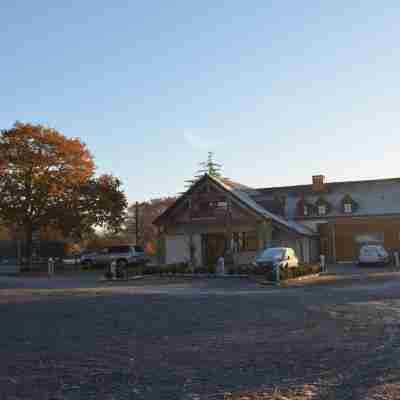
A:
211,269
290,273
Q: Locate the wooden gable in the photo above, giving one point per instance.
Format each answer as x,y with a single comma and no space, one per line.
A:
209,203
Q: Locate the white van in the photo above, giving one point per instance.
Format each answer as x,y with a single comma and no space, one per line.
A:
373,254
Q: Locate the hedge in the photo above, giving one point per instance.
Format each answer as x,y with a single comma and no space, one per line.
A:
170,269
290,273
183,268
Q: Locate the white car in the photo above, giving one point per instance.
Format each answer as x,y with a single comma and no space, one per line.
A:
373,254
273,257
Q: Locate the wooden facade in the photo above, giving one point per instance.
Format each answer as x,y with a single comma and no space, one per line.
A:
341,239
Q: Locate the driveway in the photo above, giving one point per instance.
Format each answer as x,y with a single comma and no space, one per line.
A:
354,269
160,339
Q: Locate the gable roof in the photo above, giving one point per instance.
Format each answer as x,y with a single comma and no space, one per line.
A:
239,192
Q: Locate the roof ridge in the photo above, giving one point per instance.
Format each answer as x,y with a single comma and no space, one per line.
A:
309,185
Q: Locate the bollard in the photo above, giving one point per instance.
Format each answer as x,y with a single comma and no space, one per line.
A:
113,269
221,266
396,259
278,274
322,263
50,266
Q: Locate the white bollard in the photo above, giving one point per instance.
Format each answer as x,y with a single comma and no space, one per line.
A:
221,266
50,266
396,259
322,262
113,269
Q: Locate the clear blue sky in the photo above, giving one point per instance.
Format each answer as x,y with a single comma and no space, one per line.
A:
279,90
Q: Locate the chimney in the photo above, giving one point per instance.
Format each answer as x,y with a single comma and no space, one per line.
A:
318,183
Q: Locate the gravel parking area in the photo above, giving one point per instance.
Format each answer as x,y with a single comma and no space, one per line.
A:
211,339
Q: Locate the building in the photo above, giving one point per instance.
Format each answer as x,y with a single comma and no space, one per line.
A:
219,217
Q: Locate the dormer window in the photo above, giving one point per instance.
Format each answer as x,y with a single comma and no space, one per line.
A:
322,206
348,208
303,209
322,209
348,204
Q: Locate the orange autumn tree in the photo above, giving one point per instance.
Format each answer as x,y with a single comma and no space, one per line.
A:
48,179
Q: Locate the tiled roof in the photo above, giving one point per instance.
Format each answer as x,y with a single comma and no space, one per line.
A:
250,202
373,197
329,186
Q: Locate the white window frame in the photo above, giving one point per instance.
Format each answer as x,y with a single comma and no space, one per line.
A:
322,209
348,208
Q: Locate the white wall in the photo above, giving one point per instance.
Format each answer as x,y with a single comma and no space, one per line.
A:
176,248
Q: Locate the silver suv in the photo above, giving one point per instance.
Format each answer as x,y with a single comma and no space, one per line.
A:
124,255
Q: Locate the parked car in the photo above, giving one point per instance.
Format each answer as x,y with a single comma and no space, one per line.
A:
373,254
273,257
124,255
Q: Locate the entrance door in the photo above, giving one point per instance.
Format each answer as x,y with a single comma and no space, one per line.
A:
214,247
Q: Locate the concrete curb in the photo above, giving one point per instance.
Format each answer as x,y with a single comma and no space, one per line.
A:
284,283
303,278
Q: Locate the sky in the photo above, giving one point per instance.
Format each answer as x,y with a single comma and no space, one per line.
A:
278,90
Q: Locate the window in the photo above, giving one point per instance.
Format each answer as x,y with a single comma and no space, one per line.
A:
321,210
349,205
348,208
203,209
237,242
222,205
245,241
272,254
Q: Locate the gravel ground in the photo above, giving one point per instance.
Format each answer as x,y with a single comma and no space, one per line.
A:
215,339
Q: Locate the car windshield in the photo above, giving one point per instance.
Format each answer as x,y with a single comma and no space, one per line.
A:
272,254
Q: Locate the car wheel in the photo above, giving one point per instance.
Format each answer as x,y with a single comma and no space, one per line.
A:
122,270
